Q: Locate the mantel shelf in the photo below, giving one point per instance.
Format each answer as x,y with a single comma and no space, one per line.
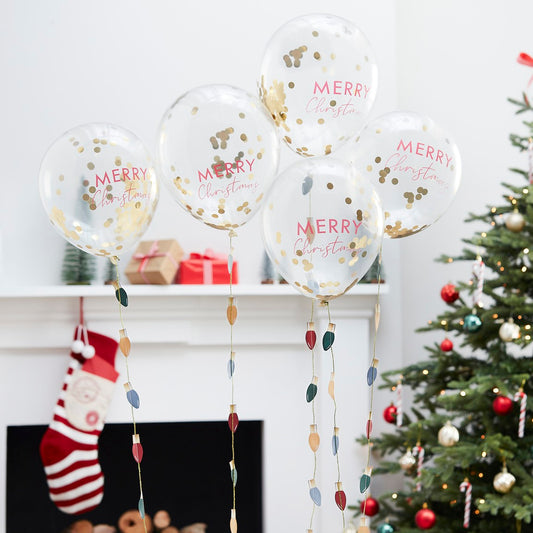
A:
75,291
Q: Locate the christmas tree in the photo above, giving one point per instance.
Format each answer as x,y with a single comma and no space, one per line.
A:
465,443
79,267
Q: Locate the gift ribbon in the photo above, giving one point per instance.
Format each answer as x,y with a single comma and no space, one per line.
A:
152,253
207,258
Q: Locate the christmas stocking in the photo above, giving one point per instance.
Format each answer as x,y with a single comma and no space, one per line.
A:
69,448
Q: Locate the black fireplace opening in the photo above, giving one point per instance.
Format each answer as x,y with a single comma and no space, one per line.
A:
185,471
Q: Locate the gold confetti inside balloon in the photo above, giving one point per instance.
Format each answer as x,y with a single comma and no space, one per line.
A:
218,153
99,188
415,167
322,226
319,80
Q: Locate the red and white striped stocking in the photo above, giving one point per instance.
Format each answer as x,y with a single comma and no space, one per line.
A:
69,448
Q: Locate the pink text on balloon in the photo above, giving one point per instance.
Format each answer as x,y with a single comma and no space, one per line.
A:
338,88
208,190
302,246
103,198
425,150
330,225
228,168
320,105
122,174
396,164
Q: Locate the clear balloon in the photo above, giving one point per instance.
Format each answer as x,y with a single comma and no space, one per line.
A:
99,188
319,81
415,167
322,226
218,154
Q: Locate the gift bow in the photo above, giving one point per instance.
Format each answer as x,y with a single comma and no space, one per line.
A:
208,257
151,254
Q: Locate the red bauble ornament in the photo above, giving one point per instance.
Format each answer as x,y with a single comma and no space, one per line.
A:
371,508
446,345
425,519
502,405
449,294
390,413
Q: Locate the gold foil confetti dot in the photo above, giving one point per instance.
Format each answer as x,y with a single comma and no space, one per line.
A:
332,103
369,168
259,155
348,200
103,141
324,69
118,161
137,205
329,186
307,265
194,110
96,141
221,211
214,215
327,150
316,55
409,206
109,196
424,127
187,180
108,222
92,207
71,139
299,253
299,121
333,56
304,149
306,288
251,177
85,183
394,181
315,33
378,159
378,130
58,192
259,198
259,138
61,177
81,149
291,85
92,189
90,165
295,261
359,214
366,59
241,115
288,140
342,260
357,67
77,227
283,253
278,237
109,187
85,197
320,121
97,149
75,143
364,254
243,137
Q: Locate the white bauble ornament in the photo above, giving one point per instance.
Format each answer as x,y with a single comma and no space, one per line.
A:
515,222
448,435
88,351
509,331
77,346
407,460
504,481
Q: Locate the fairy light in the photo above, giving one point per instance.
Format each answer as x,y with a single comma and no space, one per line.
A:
476,512
495,315
394,496
493,210
430,322
443,322
493,223
442,392
480,475
524,269
513,201
481,501
425,371
450,259
527,326
495,390
483,454
463,393
525,251
483,235
445,486
525,191
527,337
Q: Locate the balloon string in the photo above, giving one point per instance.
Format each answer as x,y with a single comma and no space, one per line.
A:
335,419
313,415
131,406
373,364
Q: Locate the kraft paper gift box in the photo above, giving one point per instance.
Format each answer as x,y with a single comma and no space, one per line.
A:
206,269
155,262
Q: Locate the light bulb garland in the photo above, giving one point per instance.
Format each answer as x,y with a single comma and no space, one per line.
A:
233,417
131,394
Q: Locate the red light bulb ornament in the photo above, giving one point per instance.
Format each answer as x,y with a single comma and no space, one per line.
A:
310,335
502,405
370,506
390,413
233,419
425,518
449,293
446,345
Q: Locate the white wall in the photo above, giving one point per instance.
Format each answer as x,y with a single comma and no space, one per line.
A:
457,63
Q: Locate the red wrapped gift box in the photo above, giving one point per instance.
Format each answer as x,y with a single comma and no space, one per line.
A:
206,269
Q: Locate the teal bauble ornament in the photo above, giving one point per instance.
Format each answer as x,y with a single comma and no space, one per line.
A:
385,528
472,323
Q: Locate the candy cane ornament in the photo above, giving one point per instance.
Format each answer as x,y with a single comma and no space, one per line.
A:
419,451
522,396
478,277
466,487
399,409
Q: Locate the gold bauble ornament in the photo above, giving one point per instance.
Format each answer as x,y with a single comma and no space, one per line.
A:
515,222
407,460
509,331
448,435
504,481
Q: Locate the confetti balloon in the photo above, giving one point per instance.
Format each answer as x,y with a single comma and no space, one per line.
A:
319,81
218,153
415,167
99,188
322,226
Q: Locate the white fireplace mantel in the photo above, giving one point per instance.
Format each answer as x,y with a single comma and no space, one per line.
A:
180,347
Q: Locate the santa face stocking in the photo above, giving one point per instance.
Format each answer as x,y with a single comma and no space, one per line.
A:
69,448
